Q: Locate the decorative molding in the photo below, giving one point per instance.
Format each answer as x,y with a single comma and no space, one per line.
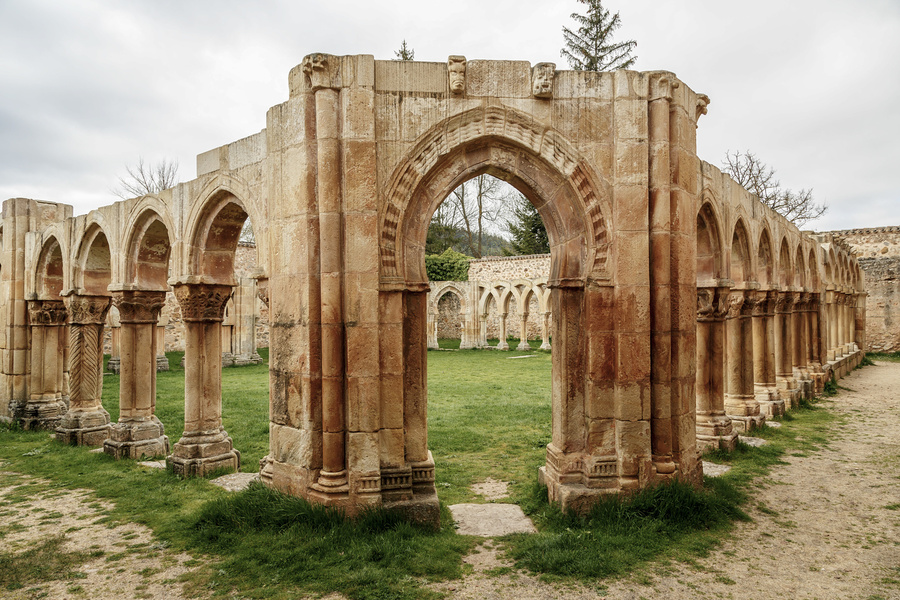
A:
87,310
46,313
203,302
138,306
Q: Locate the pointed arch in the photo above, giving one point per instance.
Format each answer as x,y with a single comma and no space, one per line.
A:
50,270
740,254
785,276
709,244
765,261
148,249
93,268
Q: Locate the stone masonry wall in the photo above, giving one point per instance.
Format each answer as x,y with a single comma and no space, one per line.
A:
493,269
878,252
496,268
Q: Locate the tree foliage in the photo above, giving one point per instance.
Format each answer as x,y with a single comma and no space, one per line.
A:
591,47
405,52
473,214
144,179
759,178
529,236
447,266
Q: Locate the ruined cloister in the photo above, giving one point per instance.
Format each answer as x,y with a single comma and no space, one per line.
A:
680,310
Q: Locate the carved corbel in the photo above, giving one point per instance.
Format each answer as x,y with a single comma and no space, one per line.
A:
320,71
712,303
703,102
663,86
542,79
456,72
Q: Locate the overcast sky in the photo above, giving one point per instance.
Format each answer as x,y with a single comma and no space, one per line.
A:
87,86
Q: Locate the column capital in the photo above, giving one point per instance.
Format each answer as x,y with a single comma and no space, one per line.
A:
46,312
262,289
739,304
712,303
203,302
139,306
785,301
87,310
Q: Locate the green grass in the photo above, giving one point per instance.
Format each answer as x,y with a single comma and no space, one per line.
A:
44,561
489,416
884,356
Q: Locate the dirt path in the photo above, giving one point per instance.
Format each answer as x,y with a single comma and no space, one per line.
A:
833,535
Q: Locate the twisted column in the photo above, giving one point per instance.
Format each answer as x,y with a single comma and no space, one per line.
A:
86,423
714,428
204,446
46,404
138,432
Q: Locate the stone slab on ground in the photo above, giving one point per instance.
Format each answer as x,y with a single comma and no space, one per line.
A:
752,441
711,469
235,482
491,489
774,424
153,464
490,520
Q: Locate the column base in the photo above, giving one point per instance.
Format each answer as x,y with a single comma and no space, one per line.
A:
162,363
136,438
114,365
501,346
88,427
545,346
746,424
523,346
227,359
715,431
42,413
788,391
199,453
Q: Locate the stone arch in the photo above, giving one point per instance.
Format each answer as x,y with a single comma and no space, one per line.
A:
740,254
50,272
709,244
814,275
148,251
572,200
801,280
214,228
93,268
765,261
785,275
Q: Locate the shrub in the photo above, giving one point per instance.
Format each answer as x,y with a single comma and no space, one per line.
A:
449,266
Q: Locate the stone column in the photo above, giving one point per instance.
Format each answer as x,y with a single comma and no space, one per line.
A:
765,388
831,326
814,344
851,323
784,364
860,323
740,402
523,332
800,334
482,331
714,428
433,329
86,423
46,405
115,357
204,446
138,432
162,361
501,343
545,331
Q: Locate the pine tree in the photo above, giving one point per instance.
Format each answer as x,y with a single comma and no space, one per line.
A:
405,52
591,48
529,236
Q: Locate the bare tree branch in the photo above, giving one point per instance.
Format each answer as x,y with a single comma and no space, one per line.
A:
144,179
757,177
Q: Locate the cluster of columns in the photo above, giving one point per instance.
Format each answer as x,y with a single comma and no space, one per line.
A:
474,325
760,351
66,336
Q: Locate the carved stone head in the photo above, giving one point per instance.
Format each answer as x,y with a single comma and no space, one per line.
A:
315,68
456,68
542,79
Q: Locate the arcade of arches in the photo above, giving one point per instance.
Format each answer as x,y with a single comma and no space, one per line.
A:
682,309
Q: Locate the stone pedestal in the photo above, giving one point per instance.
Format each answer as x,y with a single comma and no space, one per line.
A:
46,403
138,432
205,446
86,422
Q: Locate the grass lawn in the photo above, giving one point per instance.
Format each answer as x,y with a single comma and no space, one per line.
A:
489,416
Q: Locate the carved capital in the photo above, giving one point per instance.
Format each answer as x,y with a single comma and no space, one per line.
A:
262,290
87,310
202,302
703,102
50,313
737,300
759,303
138,306
662,86
318,69
712,303
542,79
456,71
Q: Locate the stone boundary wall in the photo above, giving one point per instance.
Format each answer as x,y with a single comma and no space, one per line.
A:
495,268
878,251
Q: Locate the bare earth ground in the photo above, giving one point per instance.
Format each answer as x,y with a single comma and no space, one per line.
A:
835,534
